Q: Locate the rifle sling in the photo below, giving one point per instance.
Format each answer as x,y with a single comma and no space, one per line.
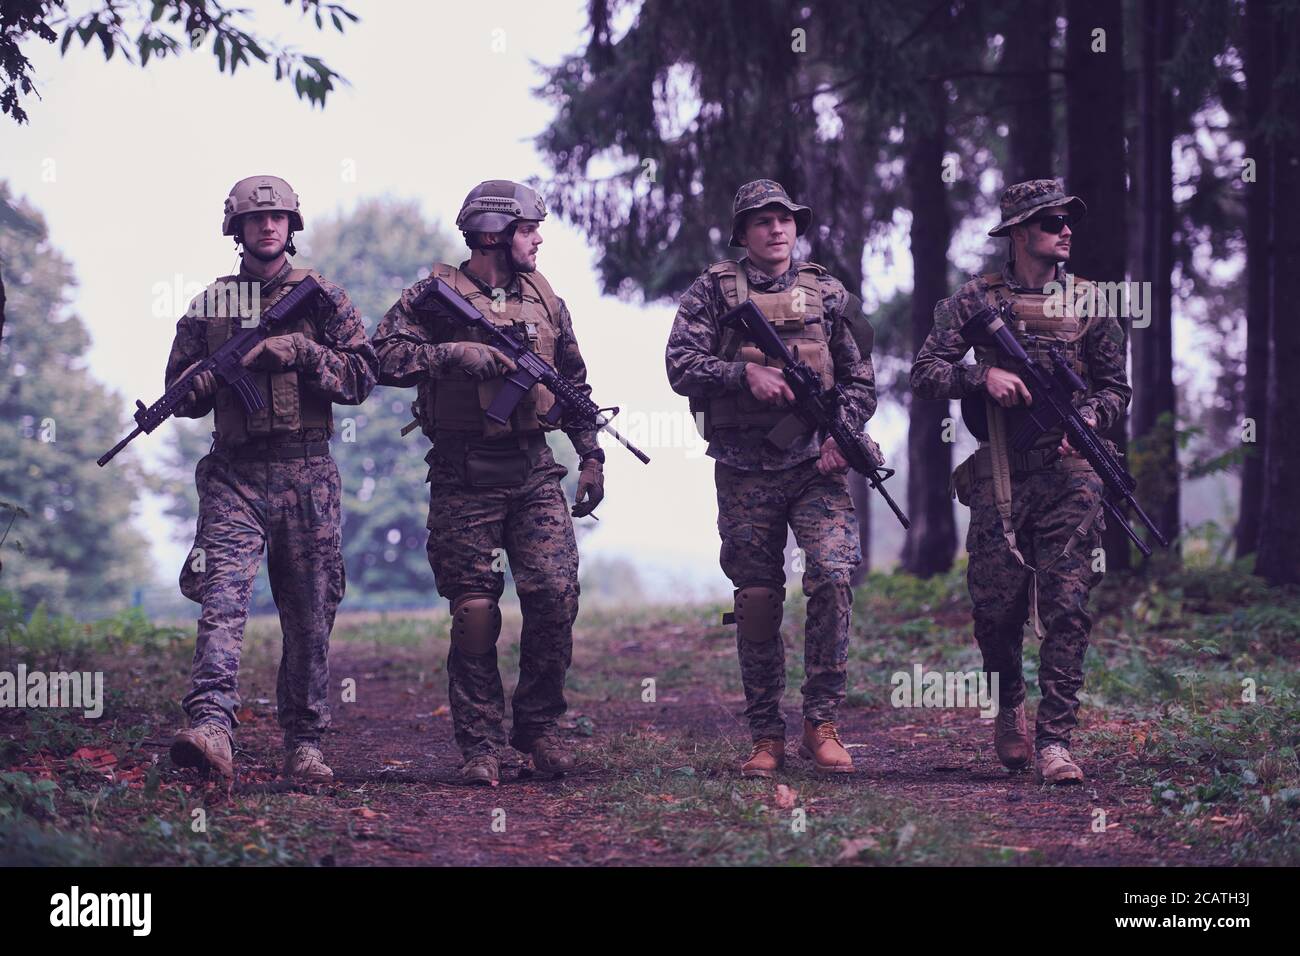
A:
1001,466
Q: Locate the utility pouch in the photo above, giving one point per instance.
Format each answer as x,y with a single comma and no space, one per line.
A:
963,480
496,467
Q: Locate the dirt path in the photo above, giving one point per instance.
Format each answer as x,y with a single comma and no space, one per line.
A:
398,800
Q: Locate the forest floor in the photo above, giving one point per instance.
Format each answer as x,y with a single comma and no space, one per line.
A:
1188,736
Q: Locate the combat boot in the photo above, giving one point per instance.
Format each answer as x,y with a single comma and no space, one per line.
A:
1011,737
306,764
1055,765
550,755
206,747
484,770
821,744
766,759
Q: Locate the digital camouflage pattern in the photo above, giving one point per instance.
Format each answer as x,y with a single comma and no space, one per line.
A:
408,345
696,370
763,490
340,365
531,523
938,372
1047,505
290,508
754,509
765,192
1046,508
1021,200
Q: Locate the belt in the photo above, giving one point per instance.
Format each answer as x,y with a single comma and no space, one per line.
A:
280,451
1036,459
447,440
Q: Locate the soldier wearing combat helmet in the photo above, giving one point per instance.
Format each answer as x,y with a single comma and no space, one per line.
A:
268,483
1035,515
770,476
494,486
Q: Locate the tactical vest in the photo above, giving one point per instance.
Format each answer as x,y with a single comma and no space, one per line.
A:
799,319
458,403
289,406
1037,332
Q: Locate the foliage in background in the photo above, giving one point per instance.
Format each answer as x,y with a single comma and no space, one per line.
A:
156,29
80,546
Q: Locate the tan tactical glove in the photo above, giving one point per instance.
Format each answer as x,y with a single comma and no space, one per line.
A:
591,488
475,359
277,353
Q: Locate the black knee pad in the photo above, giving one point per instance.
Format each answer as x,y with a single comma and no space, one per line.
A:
758,612
475,623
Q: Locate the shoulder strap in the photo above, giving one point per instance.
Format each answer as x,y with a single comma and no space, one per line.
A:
731,281
297,275
542,287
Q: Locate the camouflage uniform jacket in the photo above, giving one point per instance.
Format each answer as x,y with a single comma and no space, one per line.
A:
341,364
696,370
939,372
407,338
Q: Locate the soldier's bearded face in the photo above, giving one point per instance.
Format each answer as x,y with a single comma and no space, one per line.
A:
523,247
1045,245
769,236
265,234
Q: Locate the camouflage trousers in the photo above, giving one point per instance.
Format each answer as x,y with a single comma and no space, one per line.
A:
470,529
291,509
754,510
1047,507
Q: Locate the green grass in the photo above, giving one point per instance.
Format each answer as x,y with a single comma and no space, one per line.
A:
685,794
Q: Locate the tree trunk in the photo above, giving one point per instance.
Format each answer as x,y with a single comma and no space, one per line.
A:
1029,138
932,540
1278,556
1154,400
1094,97
1259,84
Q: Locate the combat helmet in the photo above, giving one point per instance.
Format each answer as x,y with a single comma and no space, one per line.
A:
496,204
261,194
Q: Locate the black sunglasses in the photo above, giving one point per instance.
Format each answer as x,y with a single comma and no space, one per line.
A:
1054,224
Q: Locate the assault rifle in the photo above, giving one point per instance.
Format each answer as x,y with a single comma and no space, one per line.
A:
571,407
225,363
1052,408
814,406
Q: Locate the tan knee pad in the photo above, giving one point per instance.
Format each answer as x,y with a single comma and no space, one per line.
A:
758,613
475,623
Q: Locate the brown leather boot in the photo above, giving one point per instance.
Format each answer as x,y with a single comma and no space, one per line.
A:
1055,765
306,764
206,747
1011,737
767,757
821,744
550,755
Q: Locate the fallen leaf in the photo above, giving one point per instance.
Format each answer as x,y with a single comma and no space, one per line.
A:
785,797
852,849
99,759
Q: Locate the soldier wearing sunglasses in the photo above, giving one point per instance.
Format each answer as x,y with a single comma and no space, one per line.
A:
1035,530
